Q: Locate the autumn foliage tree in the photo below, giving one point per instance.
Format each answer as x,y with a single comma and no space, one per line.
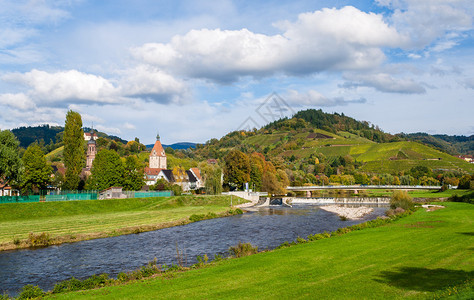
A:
237,168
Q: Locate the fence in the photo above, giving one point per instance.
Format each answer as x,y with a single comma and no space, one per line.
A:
70,195
51,196
19,199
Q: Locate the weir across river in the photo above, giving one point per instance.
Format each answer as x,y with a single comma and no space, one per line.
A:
357,188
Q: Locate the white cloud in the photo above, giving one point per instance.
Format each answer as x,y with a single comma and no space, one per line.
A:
65,86
313,98
18,101
384,82
469,83
328,39
129,126
428,21
152,84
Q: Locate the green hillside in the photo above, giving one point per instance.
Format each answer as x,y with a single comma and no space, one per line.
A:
301,139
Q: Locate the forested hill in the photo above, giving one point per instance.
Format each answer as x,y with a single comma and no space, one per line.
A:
49,134
28,135
333,123
452,144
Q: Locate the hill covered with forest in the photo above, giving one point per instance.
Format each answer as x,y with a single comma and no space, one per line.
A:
320,143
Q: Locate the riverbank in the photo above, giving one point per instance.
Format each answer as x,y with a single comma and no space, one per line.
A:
23,225
424,255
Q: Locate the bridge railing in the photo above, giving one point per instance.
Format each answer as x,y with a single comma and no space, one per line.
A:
364,187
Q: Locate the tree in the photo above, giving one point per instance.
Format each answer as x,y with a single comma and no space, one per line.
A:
212,178
107,171
237,168
257,163
74,155
10,162
37,173
133,174
465,182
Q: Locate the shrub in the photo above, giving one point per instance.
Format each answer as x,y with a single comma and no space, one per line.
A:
401,199
218,257
285,244
16,241
343,218
319,236
195,217
243,249
39,240
4,297
468,198
300,240
72,284
30,291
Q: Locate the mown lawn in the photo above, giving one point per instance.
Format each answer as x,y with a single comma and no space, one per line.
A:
92,217
417,257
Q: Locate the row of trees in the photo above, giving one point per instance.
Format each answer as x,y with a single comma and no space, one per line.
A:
31,172
261,175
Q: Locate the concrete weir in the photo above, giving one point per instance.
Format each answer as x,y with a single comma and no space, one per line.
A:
348,200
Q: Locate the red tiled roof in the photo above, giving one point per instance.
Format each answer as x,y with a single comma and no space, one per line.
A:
152,171
197,173
158,149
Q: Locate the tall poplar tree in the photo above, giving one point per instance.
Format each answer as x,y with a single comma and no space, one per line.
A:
74,155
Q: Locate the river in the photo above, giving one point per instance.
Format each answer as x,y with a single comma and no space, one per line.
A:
264,227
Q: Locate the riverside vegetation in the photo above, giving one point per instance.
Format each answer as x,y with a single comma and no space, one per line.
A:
41,224
422,255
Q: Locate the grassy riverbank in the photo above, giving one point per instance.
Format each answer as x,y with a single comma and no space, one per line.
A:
420,256
68,221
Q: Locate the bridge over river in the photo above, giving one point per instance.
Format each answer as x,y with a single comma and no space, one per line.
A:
357,188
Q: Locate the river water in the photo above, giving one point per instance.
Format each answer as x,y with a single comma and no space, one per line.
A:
264,227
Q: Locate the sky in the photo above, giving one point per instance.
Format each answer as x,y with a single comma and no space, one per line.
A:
193,70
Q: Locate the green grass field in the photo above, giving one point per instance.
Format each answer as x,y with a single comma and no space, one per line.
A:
98,218
422,256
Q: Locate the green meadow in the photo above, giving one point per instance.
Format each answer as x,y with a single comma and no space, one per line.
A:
85,219
427,255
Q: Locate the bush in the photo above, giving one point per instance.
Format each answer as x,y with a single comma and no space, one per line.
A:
30,291
39,240
468,198
4,297
243,249
195,217
401,199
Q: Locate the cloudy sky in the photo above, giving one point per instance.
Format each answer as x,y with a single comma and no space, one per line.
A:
194,70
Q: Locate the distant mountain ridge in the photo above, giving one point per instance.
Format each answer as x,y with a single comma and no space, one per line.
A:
176,146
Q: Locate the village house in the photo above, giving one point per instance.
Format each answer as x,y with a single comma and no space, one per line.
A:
7,190
190,180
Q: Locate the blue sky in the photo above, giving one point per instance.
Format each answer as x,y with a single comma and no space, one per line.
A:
194,70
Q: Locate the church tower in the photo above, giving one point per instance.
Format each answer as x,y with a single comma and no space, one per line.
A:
157,155
91,151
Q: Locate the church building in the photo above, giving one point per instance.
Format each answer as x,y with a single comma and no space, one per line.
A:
157,169
157,156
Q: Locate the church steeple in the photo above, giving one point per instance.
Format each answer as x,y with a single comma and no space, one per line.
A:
158,136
